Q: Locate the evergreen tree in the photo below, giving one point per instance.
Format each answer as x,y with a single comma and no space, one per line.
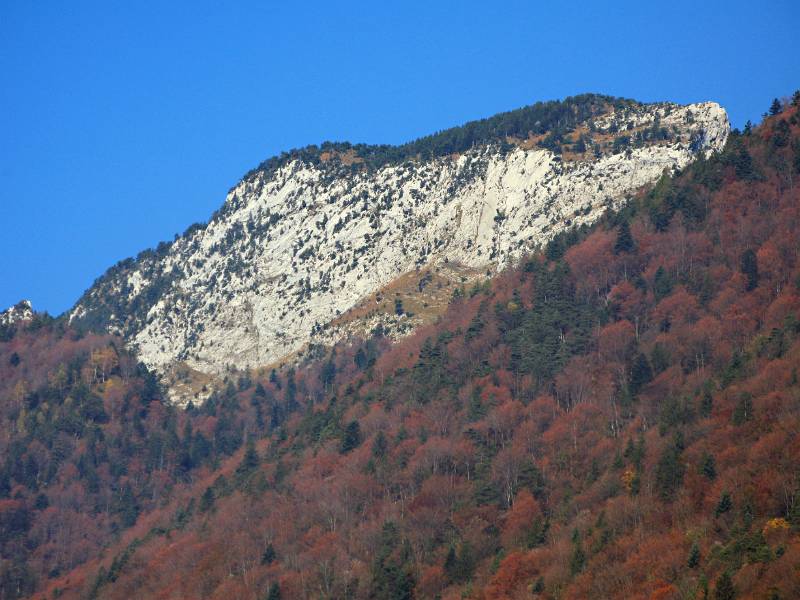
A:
250,460
662,284
706,402
207,500
274,592
624,241
724,590
351,438
660,358
694,556
641,373
269,555
577,560
379,446
749,267
670,471
708,467
724,505
450,563
775,108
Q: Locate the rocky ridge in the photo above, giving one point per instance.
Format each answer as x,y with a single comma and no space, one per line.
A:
298,245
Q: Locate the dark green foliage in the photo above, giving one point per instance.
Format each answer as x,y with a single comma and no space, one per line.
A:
662,283
459,566
624,241
670,471
328,373
735,369
749,267
641,373
269,555
706,402
398,306
724,505
724,590
694,556
429,373
475,328
556,117
207,500
577,560
127,507
660,358
775,108
249,464
379,446
14,359
708,467
392,577
274,592
558,327
351,438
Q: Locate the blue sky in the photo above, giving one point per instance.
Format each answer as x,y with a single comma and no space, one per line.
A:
121,123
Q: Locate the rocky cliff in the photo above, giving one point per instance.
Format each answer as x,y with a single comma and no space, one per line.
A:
305,240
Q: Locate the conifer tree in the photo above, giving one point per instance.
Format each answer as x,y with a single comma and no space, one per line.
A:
624,241
694,556
352,437
724,505
274,592
749,267
724,589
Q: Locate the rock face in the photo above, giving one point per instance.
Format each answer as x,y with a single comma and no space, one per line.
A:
301,242
21,311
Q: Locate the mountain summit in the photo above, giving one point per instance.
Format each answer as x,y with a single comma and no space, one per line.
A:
327,241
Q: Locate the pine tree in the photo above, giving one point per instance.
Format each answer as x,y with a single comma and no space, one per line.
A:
694,556
662,284
776,107
207,500
724,505
749,267
669,472
708,467
274,592
641,373
250,461
624,241
380,447
269,555
450,563
724,590
351,438
706,403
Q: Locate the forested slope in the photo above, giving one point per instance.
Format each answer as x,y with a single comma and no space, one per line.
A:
617,417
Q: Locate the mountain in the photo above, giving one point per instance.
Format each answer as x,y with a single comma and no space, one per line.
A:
21,311
614,416
338,240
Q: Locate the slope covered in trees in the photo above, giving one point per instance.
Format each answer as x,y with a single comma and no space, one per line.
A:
617,417
554,117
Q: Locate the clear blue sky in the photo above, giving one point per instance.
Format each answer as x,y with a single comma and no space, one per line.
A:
121,123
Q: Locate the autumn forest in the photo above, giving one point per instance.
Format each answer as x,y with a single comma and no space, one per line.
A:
618,416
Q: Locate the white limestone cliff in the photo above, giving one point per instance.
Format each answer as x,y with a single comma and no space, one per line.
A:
296,247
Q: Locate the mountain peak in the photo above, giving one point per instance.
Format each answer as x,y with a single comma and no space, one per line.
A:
341,239
21,311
